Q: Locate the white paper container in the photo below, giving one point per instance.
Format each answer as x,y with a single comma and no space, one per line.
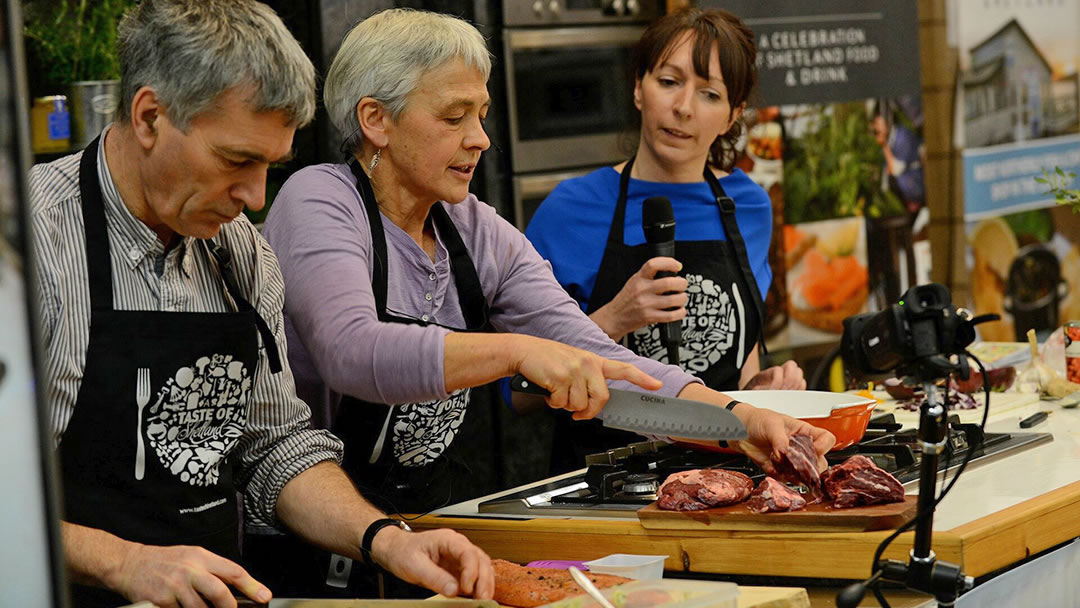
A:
640,567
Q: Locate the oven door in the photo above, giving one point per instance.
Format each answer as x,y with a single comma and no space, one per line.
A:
570,95
531,190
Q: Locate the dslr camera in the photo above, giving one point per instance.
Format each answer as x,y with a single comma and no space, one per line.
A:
922,335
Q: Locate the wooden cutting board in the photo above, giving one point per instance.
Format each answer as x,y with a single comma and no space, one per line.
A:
821,517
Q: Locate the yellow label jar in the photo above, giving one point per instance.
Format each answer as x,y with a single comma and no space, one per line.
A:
50,124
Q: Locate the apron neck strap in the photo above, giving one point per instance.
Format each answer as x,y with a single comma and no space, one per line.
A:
734,236
98,267
615,233
228,276
378,237
470,293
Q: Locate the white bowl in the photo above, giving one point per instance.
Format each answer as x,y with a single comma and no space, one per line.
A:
641,567
800,404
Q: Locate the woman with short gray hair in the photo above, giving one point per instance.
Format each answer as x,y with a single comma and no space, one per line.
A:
373,62
403,291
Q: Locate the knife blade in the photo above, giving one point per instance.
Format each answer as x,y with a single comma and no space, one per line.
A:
655,415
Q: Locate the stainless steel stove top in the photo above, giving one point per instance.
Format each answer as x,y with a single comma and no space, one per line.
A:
619,482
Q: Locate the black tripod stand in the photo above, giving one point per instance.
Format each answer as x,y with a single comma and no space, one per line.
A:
923,571
923,336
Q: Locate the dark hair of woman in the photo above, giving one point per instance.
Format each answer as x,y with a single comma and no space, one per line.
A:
711,29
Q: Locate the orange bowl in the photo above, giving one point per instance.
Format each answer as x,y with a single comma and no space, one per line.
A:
847,424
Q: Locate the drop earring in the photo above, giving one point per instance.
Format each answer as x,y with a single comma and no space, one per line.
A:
375,160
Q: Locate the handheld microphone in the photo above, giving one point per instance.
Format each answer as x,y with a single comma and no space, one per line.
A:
658,221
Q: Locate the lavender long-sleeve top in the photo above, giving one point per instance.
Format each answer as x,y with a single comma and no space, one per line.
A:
318,228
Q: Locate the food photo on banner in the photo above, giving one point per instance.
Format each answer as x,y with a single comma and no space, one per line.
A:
852,175
1018,116
836,140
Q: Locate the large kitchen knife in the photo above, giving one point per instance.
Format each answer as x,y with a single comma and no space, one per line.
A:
655,415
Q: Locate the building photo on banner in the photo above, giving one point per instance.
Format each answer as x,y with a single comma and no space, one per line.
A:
836,139
1017,115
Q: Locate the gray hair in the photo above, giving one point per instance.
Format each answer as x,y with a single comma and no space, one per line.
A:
192,51
385,56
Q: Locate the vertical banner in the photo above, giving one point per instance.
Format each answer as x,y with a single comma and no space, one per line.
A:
1017,114
836,140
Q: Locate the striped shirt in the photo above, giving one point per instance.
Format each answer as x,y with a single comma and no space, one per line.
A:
278,442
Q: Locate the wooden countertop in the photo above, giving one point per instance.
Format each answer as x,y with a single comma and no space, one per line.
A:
997,515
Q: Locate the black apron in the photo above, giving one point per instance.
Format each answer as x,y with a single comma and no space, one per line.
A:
721,329
410,472
155,465
400,462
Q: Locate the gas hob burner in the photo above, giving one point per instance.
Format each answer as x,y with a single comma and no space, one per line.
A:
642,483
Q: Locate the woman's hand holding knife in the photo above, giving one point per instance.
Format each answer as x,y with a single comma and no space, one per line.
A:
576,379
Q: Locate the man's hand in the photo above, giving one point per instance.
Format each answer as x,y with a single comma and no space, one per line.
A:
768,435
642,300
191,577
576,378
441,560
788,376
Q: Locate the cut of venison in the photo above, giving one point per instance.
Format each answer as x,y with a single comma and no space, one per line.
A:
703,488
799,465
773,496
858,481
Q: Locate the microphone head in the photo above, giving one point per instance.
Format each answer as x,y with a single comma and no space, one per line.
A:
658,220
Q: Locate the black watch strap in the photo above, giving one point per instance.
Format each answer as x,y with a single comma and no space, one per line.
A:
731,406
373,529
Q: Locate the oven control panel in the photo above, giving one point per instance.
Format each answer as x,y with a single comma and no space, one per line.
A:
576,12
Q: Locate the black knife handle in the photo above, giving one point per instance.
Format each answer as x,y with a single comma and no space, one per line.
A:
522,384
1032,420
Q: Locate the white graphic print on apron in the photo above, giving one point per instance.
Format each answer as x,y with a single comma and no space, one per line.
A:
714,322
423,431
198,417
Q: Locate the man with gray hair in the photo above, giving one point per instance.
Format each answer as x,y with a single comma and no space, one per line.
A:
162,330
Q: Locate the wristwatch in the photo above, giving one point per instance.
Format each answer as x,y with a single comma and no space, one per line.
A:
372,530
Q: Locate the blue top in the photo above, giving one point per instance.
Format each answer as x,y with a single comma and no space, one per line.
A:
570,229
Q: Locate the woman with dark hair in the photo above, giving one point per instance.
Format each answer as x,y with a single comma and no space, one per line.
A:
694,71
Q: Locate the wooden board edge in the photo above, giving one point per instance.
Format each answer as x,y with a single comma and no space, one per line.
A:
1067,496
651,518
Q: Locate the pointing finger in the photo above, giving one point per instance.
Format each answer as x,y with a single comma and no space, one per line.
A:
617,370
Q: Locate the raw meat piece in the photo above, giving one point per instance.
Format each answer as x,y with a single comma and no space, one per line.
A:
858,481
799,465
773,496
703,488
527,587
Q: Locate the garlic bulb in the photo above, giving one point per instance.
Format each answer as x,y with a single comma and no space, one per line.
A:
1036,376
